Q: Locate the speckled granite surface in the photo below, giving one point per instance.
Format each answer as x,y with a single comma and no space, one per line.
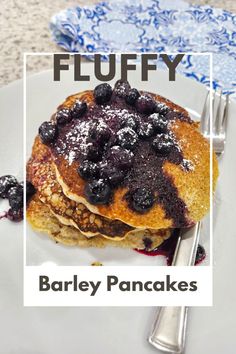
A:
24,28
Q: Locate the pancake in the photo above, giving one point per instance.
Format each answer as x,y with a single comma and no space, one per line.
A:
68,212
179,182
41,219
40,172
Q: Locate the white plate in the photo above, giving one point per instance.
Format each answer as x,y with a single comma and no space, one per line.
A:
104,330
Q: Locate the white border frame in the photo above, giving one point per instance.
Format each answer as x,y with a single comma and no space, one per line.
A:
25,54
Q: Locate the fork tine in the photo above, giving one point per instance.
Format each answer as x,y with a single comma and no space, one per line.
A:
225,115
213,113
204,115
218,116
211,110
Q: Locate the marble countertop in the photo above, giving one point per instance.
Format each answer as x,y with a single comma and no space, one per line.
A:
24,28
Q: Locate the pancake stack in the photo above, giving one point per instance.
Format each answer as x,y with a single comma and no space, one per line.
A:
118,167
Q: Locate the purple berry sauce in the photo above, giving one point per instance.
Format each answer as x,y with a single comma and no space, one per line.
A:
167,249
146,142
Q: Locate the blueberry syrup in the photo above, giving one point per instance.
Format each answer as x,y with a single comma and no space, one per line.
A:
136,126
12,215
167,249
3,215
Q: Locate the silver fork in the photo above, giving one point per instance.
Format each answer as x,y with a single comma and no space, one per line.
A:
168,333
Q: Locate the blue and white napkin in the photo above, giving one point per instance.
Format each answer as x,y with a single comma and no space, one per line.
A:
155,26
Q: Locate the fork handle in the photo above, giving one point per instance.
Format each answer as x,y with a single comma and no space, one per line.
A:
169,329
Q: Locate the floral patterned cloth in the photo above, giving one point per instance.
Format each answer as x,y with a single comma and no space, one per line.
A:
155,26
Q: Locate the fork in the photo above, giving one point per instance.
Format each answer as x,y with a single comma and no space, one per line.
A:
168,333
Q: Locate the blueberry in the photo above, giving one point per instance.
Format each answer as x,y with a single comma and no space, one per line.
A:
142,199
127,138
88,170
30,190
15,215
113,141
16,197
102,93
161,108
120,158
6,182
145,104
112,174
201,254
159,122
145,130
93,152
98,192
129,122
132,96
121,88
63,116
78,109
163,144
100,133
48,132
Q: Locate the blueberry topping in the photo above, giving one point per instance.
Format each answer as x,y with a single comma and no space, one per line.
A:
121,88
98,192
145,130
78,109
11,189
63,116
102,93
129,122
132,96
15,214
145,104
161,108
16,197
6,182
163,144
127,138
120,158
30,190
112,174
100,133
159,122
93,152
48,132
123,140
113,141
88,170
142,200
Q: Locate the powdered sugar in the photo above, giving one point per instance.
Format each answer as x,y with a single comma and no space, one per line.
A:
119,114
109,125
187,165
75,141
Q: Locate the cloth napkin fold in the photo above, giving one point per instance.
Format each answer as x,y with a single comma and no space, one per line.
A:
155,26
